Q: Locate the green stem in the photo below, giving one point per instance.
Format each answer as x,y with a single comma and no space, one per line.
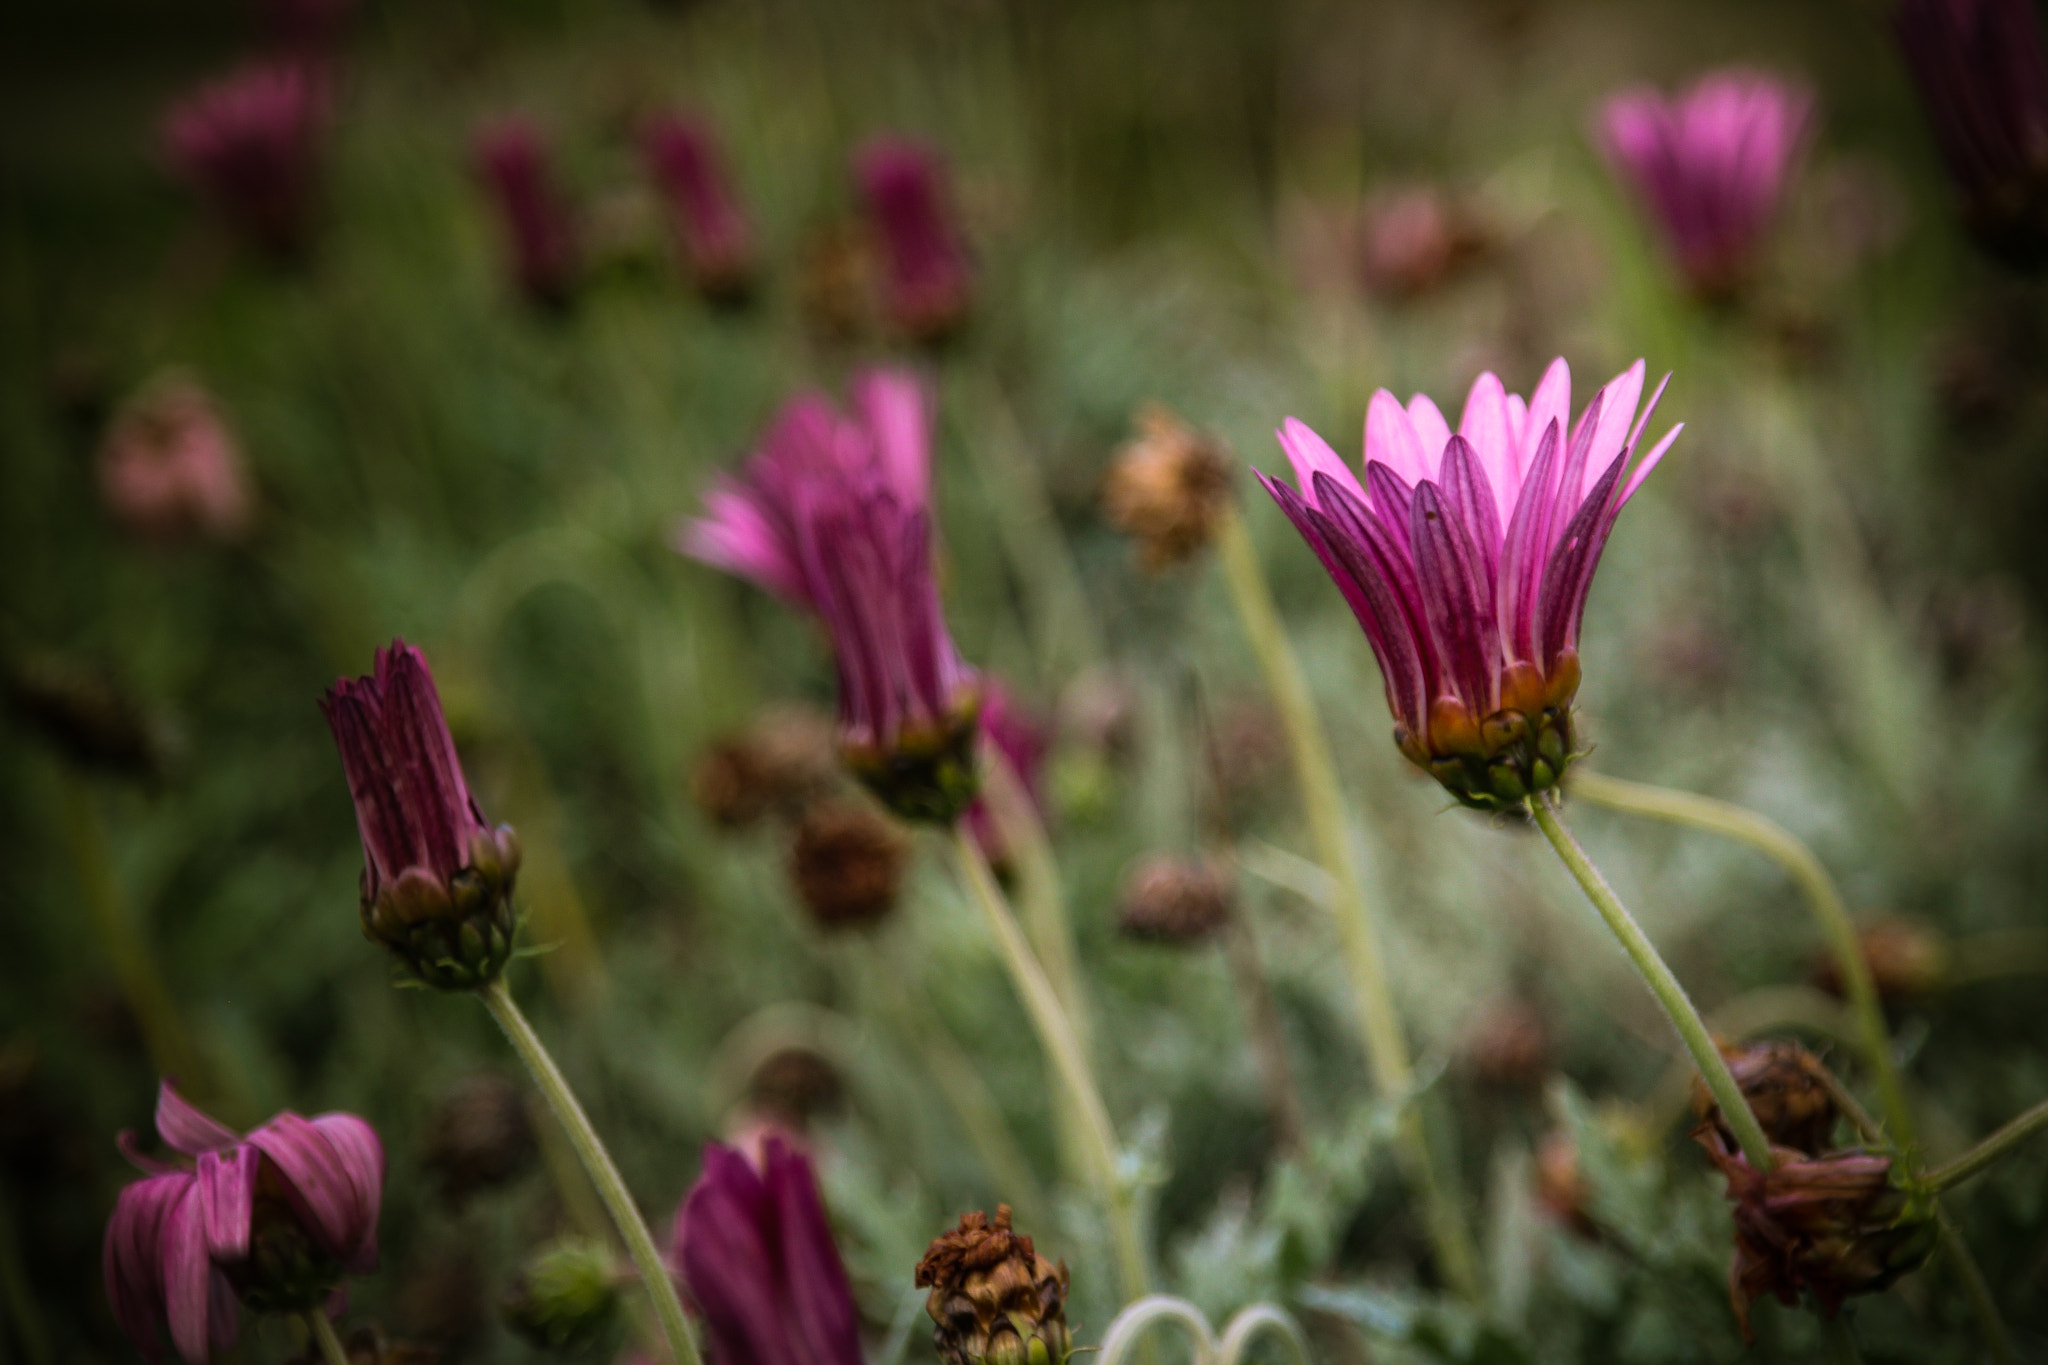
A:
323,1332
611,1187
1990,1150
1056,1034
1386,1048
1840,1339
1778,844
1989,1321
1735,1110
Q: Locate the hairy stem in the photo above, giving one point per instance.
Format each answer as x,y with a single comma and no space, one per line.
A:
1991,1150
1386,1048
604,1174
323,1332
1735,1110
1778,844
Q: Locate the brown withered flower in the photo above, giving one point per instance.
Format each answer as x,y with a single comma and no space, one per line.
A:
1833,1225
1561,1186
782,760
1906,960
1787,1088
1174,900
480,1136
847,864
995,1299
1168,489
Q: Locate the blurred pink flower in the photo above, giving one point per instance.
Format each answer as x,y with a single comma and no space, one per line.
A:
1709,166
716,240
1414,238
512,161
169,467
275,1219
927,284
1467,559
250,145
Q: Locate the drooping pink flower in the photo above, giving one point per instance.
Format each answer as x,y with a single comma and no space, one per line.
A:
1984,79
1022,741
927,284
512,162
437,876
756,1253
716,241
275,1220
832,514
1709,166
1467,558
169,467
250,145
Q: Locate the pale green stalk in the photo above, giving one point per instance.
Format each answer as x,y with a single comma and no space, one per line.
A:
611,1187
1142,1315
323,1333
1241,1330
1990,1151
1778,844
1386,1048
1735,1110
1056,1035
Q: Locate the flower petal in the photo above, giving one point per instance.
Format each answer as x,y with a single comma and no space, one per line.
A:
726,1250
131,1257
187,1276
1524,550
361,1156
895,407
820,1299
227,1199
1390,438
184,1128
317,1183
1310,455
1457,600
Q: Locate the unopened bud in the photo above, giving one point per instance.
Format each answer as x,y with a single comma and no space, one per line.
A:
1168,490
995,1299
847,864
480,1136
1175,900
1787,1089
566,1299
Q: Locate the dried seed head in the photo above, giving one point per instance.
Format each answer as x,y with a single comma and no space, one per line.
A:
480,1136
1175,900
995,1299
1168,489
780,762
1787,1088
847,864
1906,960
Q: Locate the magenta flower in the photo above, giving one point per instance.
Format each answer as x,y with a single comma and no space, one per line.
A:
831,513
274,1219
716,240
927,285
1022,741
1984,79
512,161
1467,558
437,877
169,467
1709,166
756,1253
250,146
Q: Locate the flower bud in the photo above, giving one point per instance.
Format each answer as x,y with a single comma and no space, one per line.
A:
1787,1089
847,865
480,1136
995,1299
566,1298
1168,489
1175,900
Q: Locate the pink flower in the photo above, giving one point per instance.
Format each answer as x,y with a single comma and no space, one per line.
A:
832,514
1708,166
927,285
169,467
716,240
1467,558
437,877
1022,741
756,1252
250,145
512,161
275,1219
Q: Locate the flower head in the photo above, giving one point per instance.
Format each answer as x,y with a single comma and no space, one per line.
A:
274,1219
1785,1086
1708,166
512,162
1467,558
1168,489
1984,79
437,876
756,1253
1166,899
831,513
847,864
250,145
716,240
928,286
169,466
995,1299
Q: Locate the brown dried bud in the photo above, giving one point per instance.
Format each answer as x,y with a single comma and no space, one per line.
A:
786,758
1168,489
480,1136
1175,900
1832,1225
1905,959
1510,1045
995,1299
848,864
1787,1088
85,716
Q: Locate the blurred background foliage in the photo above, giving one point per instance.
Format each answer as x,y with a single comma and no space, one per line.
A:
1826,606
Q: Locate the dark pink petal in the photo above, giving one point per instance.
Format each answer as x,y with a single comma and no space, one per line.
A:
1570,573
184,1128
227,1199
1471,499
895,407
1457,601
317,1182
188,1276
820,1299
1571,479
1524,551
131,1258
1376,558
361,1156
730,1255
1391,495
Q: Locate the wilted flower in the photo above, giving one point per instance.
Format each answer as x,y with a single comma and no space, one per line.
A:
832,514
1708,166
1021,741
1787,1089
780,762
995,1299
847,864
1168,489
512,162
274,1219
756,1253
1906,959
250,145
1166,899
1469,570
437,876
480,1136
1832,1225
1984,79
927,286
716,241
565,1298
169,467
1413,239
